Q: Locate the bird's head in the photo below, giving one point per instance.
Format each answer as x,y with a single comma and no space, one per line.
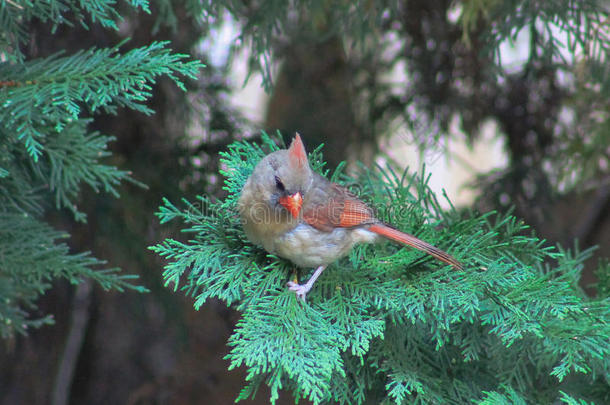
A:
283,177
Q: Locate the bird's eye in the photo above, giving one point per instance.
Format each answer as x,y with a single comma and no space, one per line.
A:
279,184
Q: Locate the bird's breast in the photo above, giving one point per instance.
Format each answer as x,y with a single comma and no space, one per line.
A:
306,246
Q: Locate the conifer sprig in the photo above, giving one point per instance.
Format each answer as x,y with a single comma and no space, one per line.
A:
47,152
33,255
52,92
387,324
16,14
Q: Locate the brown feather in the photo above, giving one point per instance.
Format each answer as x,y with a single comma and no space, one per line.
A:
333,206
411,240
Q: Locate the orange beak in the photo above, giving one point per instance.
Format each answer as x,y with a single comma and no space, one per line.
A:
292,203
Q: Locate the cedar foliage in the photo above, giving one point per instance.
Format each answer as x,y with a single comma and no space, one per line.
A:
47,151
388,324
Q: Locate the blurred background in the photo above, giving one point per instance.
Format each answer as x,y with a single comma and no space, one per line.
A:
503,107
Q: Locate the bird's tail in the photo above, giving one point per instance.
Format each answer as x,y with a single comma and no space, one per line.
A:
405,238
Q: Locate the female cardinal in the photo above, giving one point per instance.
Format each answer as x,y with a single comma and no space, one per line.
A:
301,216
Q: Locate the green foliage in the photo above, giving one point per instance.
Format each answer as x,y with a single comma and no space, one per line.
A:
47,151
16,14
50,93
71,157
603,275
387,323
32,257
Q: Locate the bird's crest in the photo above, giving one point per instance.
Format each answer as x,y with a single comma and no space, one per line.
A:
298,156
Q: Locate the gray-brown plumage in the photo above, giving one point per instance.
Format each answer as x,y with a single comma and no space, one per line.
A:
299,215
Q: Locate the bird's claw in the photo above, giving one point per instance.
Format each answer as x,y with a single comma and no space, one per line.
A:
300,290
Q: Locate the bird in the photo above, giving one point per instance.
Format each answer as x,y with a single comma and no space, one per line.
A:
299,215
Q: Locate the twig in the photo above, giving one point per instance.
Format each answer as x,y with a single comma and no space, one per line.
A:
74,342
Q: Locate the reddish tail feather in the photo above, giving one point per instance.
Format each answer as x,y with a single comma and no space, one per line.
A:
411,240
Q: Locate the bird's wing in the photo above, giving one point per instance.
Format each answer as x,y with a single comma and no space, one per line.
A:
332,206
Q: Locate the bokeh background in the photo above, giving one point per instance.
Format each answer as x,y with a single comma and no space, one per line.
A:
498,123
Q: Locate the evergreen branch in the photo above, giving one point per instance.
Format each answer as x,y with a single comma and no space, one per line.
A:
603,277
20,189
55,88
15,15
31,256
508,397
72,159
279,338
567,399
386,317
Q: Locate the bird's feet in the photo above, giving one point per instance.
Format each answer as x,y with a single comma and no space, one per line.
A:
300,290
